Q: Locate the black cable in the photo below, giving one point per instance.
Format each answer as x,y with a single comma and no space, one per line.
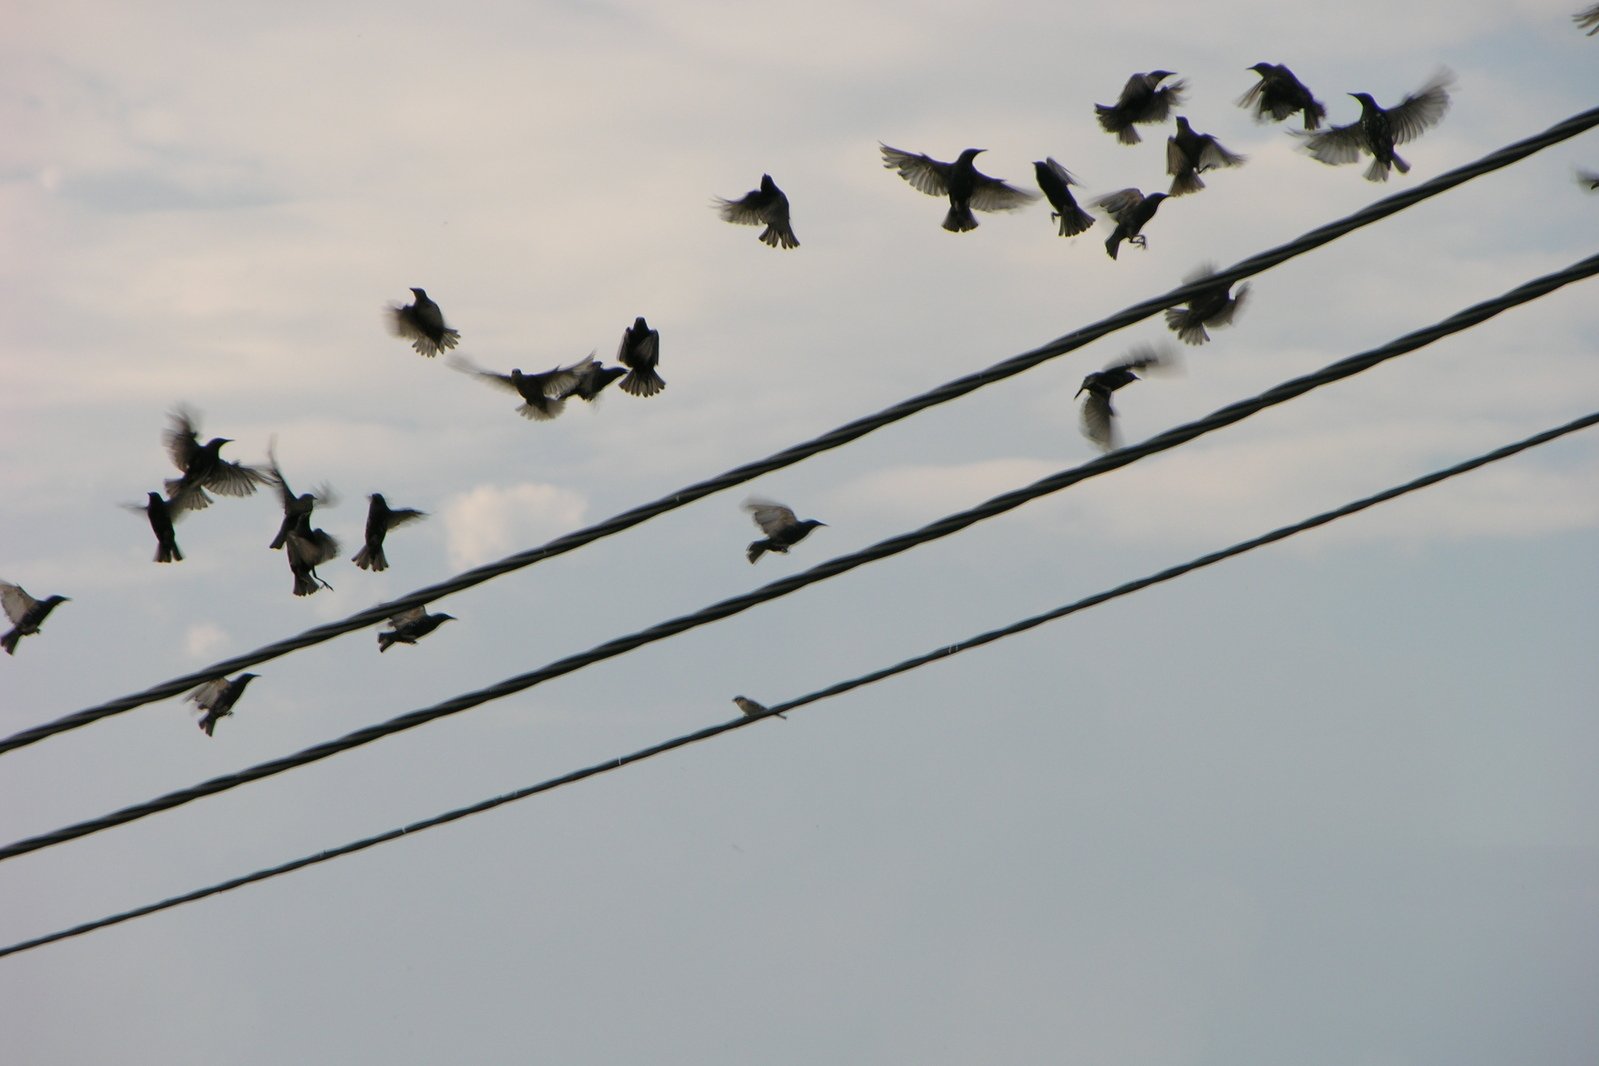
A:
836,438
833,690
842,564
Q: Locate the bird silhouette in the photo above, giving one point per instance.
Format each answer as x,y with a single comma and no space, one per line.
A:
1056,182
422,323
961,181
1213,306
1098,417
1379,129
1131,210
766,206
216,698
203,467
782,529
542,394
411,626
380,518
1143,100
640,352
1278,94
308,549
752,709
160,515
1188,153
296,509
26,613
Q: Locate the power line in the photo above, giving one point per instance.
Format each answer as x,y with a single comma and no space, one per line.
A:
907,665
835,438
883,549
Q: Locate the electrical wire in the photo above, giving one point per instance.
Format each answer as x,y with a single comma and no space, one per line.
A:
907,665
841,564
835,438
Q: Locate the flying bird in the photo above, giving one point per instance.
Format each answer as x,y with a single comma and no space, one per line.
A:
216,698
296,509
965,185
308,549
542,394
422,323
1188,153
159,512
203,467
1131,211
1279,94
1143,100
1098,416
380,518
26,613
640,352
1056,182
590,379
782,529
1379,129
752,709
1587,19
411,626
766,206
1213,306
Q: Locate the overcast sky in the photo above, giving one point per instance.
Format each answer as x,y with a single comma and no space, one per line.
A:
1330,803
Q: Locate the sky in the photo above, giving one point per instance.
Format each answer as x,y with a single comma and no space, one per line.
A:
1330,803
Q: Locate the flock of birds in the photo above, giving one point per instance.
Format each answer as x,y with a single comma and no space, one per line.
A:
1148,98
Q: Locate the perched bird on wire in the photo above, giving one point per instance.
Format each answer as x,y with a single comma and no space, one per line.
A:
1213,306
422,323
296,509
1379,129
26,613
1587,19
1098,416
1143,100
1056,182
1188,153
160,515
411,626
1131,211
766,206
640,352
782,529
1279,94
308,549
203,467
590,378
380,518
216,698
752,709
542,394
965,185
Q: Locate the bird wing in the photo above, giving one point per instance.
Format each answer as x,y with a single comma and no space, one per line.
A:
1421,109
466,366
1214,155
1334,145
312,549
1145,357
400,516
924,173
639,351
408,618
751,210
1176,158
1119,203
769,515
1252,97
181,438
16,602
207,694
991,194
1098,421
1164,99
1065,176
235,479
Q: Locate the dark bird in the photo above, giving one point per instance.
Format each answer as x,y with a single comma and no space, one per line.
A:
1056,181
640,352
1279,94
411,626
965,185
216,699
590,378
308,549
1131,211
1143,100
422,323
782,529
159,511
752,709
380,518
296,509
1098,417
1188,153
542,394
766,206
1588,19
203,467
1588,179
26,613
1378,130
1213,306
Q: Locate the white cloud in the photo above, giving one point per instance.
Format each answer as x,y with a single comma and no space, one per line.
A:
488,523
202,641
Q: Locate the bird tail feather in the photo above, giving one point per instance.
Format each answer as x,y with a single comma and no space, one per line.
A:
756,548
1186,182
960,219
641,382
9,641
1189,328
1074,222
370,559
1378,171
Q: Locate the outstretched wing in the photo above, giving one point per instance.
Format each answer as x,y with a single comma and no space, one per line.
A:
1421,109
924,173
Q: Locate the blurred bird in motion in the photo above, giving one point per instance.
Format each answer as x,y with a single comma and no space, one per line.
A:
1213,306
752,709
1279,94
203,467
1588,179
308,549
782,529
766,206
380,518
640,352
1587,19
542,394
1188,153
1098,416
965,185
1143,100
1131,211
159,514
590,378
216,698
1056,182
422,323
1379,129
26,613
411,626
296,509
